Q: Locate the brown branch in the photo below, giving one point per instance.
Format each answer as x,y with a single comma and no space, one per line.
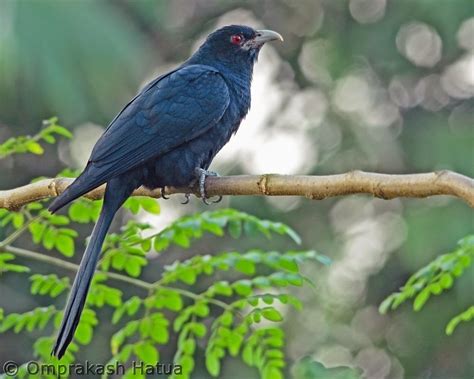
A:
384,186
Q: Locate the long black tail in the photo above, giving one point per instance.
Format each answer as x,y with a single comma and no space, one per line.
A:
114,197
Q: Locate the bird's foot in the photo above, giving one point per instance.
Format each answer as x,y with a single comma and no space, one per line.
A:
186,198
202,175
162,193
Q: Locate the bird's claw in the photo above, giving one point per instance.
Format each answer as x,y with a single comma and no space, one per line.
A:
163,195
206,201
218,200
186,200
202,175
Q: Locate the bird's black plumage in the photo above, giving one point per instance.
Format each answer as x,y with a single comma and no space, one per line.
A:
176,124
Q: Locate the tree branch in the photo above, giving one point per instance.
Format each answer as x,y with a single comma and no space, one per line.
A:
384,186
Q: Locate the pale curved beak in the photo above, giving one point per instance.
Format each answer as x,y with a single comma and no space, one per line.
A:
266,36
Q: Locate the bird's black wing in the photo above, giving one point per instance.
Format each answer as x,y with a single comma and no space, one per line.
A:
169,112
172,111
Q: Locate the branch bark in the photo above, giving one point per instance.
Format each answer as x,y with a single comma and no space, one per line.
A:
383,186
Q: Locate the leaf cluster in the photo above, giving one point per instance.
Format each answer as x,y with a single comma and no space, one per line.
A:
434,279
31,144
239,317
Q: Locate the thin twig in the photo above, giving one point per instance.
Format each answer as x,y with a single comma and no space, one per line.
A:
17,233
112,275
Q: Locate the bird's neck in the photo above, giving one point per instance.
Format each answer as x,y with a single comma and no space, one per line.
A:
233,68
236,72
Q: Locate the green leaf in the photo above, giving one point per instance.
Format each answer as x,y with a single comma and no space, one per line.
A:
37,229
15,268
18,220
65,245
160,333
118,313
212,227
222,288
187,363
49,139
145,327
446,281
235,228
287,263
181,239
293,235
34,147
133,204
146,352
245,267
465,316
49,238
292,300
132,305
234,342
118,259
271,314
150,205
84,333
160,243
146,245
267,299
133,266
80,212
173,301
131,328
199,329
385,305
213,364
9,321
61,131
243,287
188,276
421,299
181,319
247,354
189,346
271,372
201,309
226,318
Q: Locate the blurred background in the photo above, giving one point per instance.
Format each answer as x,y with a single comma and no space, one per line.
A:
376,85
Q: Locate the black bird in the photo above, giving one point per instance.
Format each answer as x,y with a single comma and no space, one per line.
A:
167,135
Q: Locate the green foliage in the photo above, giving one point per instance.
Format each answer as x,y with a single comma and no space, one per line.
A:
6,265
35,319
435,278
52,231
239,317
84,210
31,144
232,331
465,316
146,203
49,285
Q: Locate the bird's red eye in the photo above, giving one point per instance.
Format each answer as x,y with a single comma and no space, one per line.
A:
236,39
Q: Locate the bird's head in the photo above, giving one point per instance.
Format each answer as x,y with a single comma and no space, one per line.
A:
236,44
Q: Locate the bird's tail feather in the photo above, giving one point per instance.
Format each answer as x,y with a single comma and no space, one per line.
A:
78,294
83,184
80,287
